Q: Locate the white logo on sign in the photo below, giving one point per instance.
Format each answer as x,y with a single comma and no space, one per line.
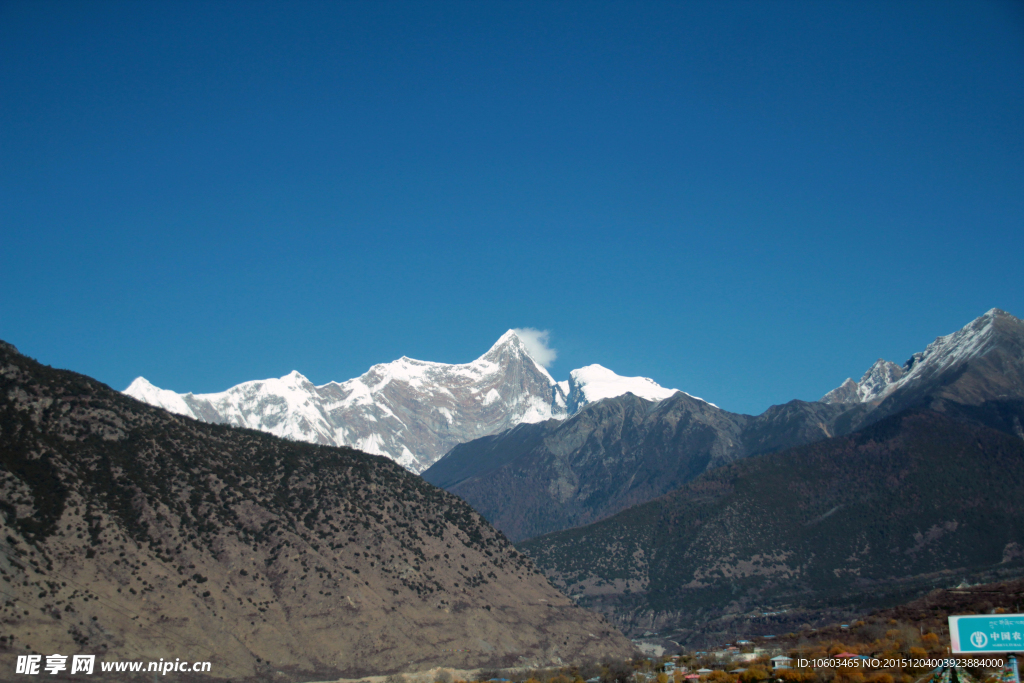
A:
979,639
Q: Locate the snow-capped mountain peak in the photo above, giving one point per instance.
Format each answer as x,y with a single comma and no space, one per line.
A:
409,410
512,346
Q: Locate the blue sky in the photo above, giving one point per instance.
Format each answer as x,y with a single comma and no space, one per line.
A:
748,201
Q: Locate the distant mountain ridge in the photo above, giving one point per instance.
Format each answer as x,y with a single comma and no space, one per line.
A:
623,451
617,452
409,410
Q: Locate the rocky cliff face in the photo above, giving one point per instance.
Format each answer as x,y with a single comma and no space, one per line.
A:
408,410
133,533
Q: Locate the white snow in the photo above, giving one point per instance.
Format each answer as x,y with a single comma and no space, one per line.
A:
363,412
596,382
537,410
142,390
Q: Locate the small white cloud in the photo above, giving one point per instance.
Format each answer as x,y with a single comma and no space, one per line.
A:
536,343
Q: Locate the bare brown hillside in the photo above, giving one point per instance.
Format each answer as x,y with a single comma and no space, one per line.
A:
132,533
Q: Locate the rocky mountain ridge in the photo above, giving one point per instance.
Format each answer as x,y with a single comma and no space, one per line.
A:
993,344
618,452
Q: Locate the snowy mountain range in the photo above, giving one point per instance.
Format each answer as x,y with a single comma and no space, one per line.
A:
416,411
409,410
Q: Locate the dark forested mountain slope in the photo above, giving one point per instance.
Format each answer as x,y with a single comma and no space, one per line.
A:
133,533
914,499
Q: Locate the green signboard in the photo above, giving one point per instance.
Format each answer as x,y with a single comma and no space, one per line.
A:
987,633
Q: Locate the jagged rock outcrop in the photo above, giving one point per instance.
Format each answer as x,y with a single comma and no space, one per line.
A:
881,375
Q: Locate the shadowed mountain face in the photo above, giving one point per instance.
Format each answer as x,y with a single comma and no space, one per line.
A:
133,533
914,500
618,452
623,451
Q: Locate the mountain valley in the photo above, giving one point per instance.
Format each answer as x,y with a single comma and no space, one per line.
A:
655,509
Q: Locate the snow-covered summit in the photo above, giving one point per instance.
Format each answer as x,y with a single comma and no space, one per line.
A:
409,410
143,390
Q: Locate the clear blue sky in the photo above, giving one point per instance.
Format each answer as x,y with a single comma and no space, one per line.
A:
749,201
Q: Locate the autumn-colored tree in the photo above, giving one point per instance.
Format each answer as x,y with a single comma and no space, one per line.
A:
792,676
616,672
753,675
719,676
